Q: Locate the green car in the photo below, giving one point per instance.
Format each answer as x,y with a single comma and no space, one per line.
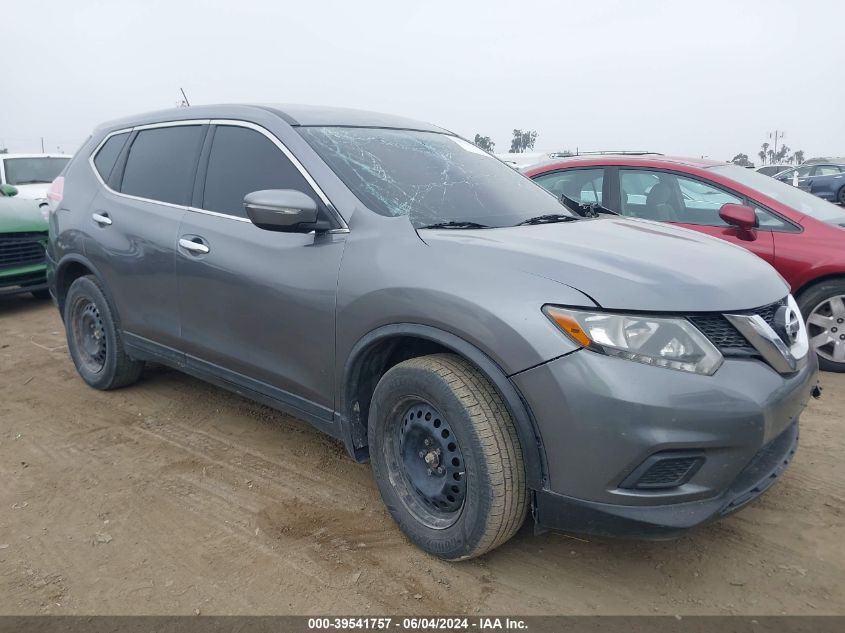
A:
23,236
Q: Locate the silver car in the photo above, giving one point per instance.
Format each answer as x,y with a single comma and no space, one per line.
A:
489,351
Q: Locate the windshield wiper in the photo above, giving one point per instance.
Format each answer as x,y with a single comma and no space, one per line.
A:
591,210
549,218
455,225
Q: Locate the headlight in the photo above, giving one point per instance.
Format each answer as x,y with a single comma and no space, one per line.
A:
668,342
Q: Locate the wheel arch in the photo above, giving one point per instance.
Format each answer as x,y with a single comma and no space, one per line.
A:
835,276
381,349
69,269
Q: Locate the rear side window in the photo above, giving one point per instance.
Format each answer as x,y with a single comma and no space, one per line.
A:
162,162
107,156
242,161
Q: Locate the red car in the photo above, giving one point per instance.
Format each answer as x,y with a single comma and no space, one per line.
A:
801,235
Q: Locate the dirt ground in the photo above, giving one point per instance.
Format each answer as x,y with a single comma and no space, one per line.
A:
172,497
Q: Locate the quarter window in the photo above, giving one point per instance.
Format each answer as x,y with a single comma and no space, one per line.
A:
162,162
243,160
107,156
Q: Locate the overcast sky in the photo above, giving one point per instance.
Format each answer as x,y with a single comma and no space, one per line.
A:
704,78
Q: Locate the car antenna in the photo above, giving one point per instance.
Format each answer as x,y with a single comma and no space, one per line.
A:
184,97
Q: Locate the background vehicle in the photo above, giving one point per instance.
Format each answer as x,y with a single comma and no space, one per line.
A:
827,184
23,236
807,170
771,170
392,284
31,174
799,234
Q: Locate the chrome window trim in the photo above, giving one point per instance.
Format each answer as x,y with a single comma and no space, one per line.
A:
230,122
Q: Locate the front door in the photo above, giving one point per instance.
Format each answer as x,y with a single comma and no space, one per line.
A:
257,307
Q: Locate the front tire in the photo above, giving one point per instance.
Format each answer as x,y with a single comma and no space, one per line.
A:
446,457
94,340
823,308
840,197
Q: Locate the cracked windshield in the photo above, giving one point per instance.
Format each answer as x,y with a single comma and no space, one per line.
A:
432,178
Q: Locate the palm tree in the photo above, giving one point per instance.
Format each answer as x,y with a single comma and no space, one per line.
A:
782,153
798,156
763,153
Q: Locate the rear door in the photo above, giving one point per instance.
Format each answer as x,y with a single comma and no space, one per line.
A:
148,177
257,306
689,202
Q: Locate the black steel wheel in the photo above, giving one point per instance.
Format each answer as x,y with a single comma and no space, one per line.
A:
89,334
94,337
427,456
446,456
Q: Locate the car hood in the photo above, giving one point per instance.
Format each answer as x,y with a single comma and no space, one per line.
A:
20,216
37,191
625,264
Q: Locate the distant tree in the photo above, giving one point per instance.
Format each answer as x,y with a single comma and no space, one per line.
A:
763,153
485,143
782,154
4,150
523,141
742,160
798,157
770,154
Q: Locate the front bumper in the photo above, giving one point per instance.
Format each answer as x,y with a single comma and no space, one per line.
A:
600,418
24,279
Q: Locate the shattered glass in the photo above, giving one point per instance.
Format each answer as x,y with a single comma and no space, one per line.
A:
430,177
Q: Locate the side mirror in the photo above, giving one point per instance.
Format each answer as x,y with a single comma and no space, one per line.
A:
284,210
742,217
8,191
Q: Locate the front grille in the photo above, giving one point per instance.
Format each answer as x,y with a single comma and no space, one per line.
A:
725,336
21,249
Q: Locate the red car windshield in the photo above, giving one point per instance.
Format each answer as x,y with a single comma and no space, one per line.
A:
793,197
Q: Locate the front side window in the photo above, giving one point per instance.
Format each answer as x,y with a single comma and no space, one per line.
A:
243,160
162,162
667,197
430,177
581,185
826,170
31,171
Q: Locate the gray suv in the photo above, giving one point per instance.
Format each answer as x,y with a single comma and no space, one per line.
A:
489,351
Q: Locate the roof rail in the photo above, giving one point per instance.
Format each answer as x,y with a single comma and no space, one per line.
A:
621,152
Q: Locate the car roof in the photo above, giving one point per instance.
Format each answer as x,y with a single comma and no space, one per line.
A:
625,160
293,114
48,155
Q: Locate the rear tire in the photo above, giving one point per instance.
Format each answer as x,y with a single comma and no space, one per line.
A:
823,308
94,338
840,197
439,414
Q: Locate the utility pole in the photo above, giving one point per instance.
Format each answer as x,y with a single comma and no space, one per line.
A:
777,134
42,144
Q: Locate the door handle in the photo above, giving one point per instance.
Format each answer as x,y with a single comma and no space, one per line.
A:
192,246
102,219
